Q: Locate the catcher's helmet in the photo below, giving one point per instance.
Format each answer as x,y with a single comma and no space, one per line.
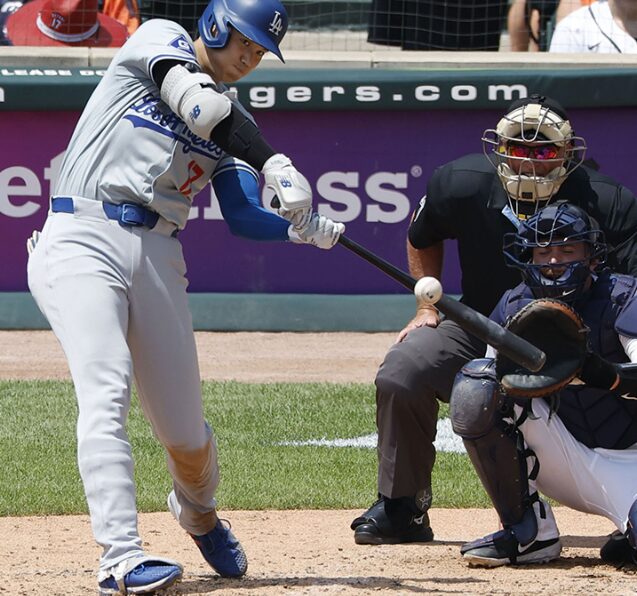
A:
535,134
558,224
262,21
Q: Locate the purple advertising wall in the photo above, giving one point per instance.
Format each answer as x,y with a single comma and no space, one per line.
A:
369,169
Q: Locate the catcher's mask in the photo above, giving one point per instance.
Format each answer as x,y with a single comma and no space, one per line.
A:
262,21
533,150
559,224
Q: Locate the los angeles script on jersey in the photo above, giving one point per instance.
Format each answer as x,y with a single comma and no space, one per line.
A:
151,113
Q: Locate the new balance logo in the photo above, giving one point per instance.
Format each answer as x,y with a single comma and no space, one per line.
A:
194,113
277,24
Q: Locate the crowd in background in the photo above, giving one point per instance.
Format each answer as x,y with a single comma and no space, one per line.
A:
67,23
589,26
601,26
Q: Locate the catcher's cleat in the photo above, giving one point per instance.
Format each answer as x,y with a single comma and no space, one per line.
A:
149,575
617,550
621,549
631,530
503,548
402,525
222,551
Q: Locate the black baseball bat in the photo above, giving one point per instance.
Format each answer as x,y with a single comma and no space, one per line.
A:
510,345
507,343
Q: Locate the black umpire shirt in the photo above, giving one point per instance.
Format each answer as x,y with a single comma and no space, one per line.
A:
465,199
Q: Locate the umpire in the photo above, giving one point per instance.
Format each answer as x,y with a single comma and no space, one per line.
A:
531,158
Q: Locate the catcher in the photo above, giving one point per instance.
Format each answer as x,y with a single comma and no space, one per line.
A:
576,442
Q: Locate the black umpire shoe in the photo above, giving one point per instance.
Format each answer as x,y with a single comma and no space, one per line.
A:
392,521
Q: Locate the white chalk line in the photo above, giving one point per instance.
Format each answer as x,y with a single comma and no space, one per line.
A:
446,440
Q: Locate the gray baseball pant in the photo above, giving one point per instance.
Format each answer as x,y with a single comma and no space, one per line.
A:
415,374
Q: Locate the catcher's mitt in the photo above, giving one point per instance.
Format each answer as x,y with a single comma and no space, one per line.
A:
556,329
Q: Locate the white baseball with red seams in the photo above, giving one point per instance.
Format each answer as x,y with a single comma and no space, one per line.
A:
428,290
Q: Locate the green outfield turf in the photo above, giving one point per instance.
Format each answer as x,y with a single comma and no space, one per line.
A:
258,428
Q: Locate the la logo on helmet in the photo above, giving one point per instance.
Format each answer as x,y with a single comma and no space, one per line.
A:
277,24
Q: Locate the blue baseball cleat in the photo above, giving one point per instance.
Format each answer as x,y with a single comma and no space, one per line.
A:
139,575
222,551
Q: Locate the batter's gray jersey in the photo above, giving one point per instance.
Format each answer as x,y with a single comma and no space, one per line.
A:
129,146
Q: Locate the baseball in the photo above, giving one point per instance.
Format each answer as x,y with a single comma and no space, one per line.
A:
428,290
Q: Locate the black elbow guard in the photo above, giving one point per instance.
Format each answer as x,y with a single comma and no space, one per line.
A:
599,372
240,137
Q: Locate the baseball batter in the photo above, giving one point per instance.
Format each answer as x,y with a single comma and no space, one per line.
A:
582,454
109,274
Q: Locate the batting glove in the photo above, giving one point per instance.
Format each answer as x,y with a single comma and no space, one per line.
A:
291,189
321,232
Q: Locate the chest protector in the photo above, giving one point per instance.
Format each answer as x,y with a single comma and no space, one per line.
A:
598,417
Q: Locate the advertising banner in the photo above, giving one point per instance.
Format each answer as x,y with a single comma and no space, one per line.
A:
369,169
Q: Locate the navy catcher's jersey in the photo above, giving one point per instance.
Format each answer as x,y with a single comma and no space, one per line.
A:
465,199
595,417
129,146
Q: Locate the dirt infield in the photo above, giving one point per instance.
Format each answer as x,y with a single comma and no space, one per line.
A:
290,552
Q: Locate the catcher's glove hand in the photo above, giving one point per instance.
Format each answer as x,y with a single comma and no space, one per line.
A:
556,329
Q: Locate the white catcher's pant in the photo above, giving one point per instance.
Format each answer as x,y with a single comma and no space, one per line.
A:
599,481
116,299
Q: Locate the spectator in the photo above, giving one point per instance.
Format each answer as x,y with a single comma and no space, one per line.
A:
64,23
566,7
604,27
124,11
529,23
535,159
7,8
432,25
526,24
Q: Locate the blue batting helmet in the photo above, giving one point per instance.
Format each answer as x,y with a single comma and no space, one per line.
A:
559,224
262,21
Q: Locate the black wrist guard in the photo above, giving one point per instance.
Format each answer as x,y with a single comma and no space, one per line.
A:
627,380
598,372
240,137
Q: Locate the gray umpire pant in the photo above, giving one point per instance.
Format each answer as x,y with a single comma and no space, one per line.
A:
415,374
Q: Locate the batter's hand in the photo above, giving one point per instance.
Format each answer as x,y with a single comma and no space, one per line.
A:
426,316
321,231
292,190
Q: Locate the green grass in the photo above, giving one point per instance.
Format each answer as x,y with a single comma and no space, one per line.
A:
38,452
